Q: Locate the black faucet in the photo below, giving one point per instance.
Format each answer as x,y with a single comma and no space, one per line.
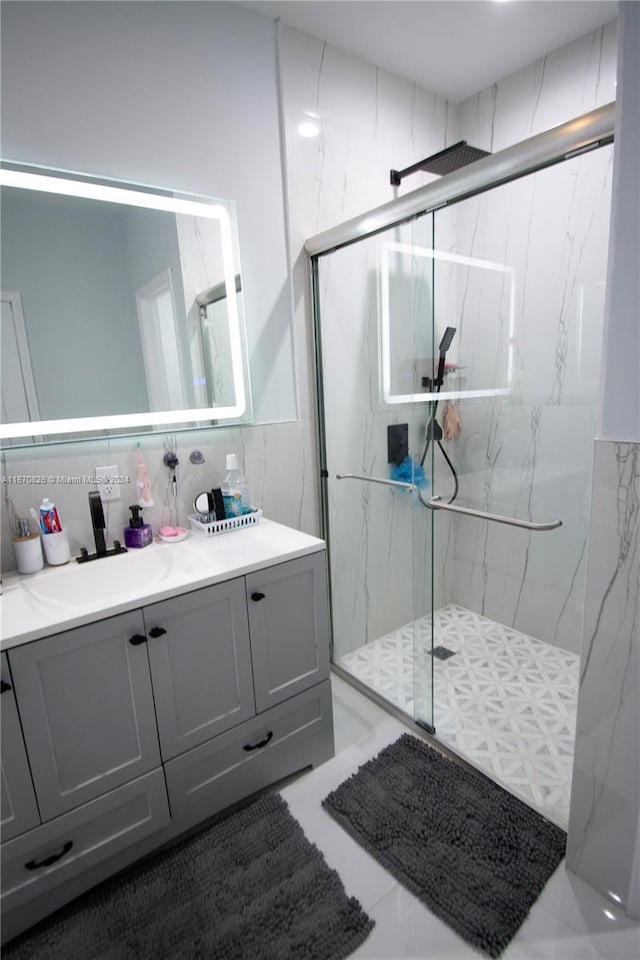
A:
99,526
97,521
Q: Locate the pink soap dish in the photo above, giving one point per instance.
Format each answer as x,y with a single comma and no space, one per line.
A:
172,534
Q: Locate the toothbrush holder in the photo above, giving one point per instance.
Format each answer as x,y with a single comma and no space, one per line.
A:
28,553
56,548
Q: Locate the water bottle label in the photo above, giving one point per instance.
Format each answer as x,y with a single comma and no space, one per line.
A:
232,503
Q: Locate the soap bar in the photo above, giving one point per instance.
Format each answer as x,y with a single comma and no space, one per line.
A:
172,533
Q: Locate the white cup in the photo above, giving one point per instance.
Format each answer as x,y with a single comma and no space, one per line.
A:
56,548
28,552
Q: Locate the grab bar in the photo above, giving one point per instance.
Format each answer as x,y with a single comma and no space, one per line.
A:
436,504
387,483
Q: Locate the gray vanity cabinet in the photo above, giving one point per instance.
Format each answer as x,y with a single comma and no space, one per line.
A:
17,797
200,665
87,711
289,626
142,725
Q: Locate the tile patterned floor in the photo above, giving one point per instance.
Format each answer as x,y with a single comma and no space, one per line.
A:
505,701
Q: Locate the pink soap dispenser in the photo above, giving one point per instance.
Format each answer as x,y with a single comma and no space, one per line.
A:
138,533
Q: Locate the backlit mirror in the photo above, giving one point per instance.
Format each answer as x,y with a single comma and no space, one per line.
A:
121,309
441,290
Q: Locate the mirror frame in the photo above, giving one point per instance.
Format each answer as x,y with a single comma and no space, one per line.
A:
172,202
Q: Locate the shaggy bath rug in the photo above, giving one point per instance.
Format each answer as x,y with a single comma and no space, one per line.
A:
471,852
251,887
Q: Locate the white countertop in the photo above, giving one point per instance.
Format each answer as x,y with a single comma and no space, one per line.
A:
59,598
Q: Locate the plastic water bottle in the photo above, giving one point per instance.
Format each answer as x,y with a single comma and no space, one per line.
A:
235,491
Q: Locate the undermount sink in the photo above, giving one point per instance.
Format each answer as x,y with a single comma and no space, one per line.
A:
75,584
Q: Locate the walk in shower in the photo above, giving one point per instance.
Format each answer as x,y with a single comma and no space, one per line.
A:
458,342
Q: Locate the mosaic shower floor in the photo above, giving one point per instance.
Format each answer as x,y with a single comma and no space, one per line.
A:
504,701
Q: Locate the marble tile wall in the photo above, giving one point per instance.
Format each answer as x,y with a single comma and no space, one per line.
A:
275,459
565,83
371,122
604,826
605,800
529,455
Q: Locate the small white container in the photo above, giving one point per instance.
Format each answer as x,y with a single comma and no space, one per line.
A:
56,548
28,553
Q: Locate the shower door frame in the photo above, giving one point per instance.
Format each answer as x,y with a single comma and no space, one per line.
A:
564,142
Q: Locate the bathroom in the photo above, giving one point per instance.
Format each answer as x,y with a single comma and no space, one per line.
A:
89,57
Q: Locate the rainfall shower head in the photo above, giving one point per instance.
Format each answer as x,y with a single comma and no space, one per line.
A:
442,163
459,155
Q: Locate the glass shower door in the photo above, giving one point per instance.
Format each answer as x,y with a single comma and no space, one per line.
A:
525,267
374,310
459,363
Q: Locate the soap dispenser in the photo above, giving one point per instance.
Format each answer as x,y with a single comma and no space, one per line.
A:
138,533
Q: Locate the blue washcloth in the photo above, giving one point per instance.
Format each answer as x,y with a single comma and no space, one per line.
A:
409,471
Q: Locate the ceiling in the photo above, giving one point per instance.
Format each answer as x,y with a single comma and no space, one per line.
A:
450,47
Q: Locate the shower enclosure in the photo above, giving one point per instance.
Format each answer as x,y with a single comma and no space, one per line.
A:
458,341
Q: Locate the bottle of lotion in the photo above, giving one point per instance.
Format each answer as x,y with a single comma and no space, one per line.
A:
138,533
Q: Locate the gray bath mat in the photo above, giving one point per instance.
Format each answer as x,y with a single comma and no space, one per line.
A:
475,855
252,887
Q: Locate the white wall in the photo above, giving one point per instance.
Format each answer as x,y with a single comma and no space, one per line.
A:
620,409
180,95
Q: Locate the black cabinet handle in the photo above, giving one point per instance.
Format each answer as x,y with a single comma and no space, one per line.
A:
258,746
4,687
156,632
137,639
257,596
48,861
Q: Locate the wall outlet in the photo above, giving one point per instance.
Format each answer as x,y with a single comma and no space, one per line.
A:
107,483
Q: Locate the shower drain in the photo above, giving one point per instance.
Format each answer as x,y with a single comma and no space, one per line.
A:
442,653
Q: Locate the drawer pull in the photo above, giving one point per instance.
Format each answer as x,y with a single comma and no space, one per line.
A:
258,746
257,596
156,632
49,861
4,687
137,639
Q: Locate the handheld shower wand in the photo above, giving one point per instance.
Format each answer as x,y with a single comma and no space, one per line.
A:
433,430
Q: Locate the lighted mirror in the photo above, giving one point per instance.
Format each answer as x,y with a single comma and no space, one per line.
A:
121,309
440,292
